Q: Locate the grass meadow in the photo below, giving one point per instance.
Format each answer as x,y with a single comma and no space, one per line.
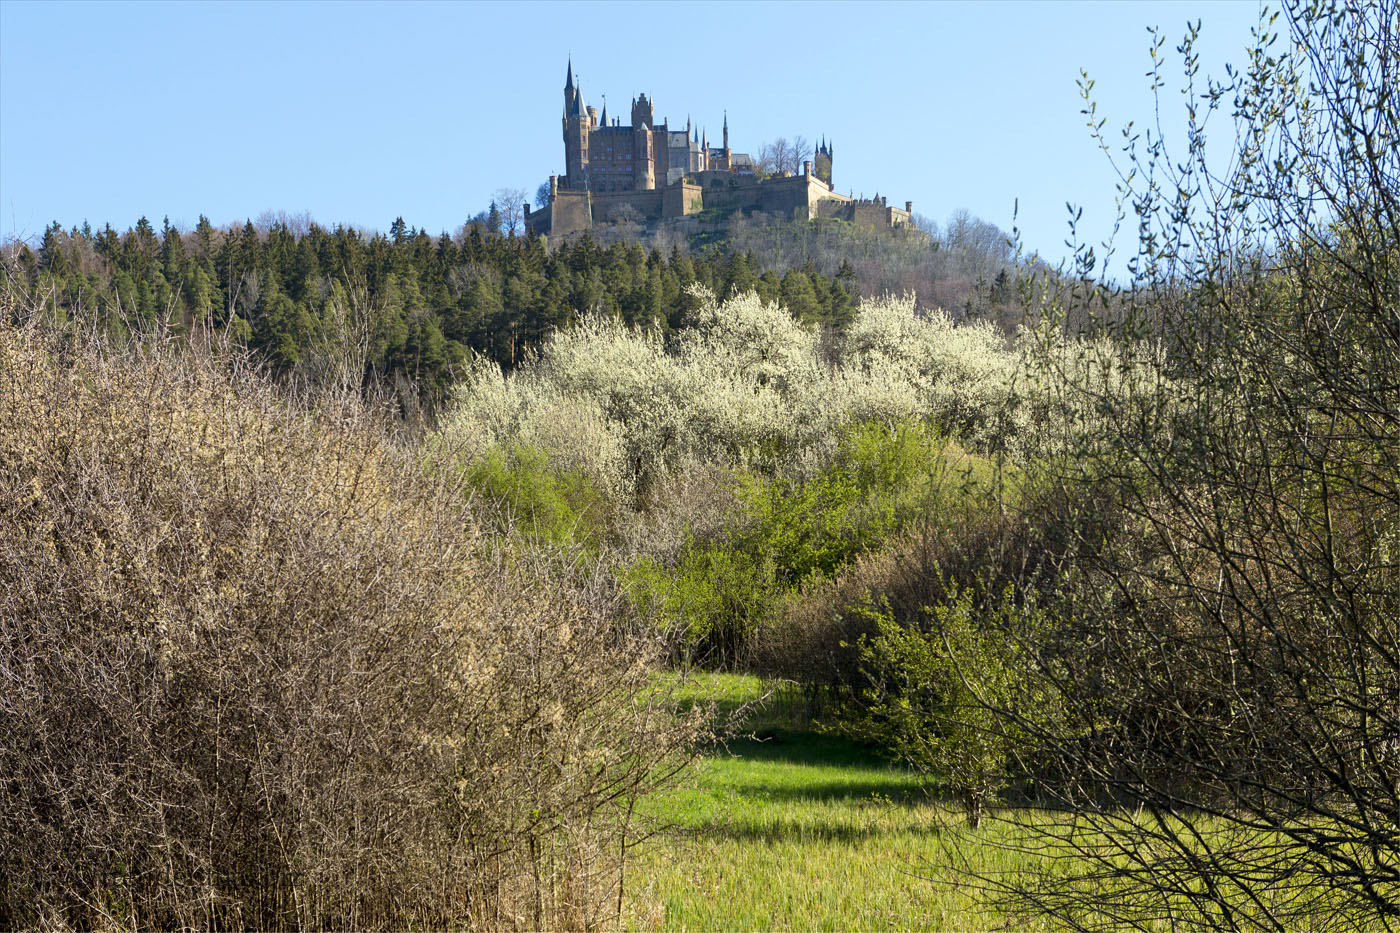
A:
787,828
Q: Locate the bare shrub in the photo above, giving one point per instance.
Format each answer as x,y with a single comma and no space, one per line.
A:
255,670
1230,745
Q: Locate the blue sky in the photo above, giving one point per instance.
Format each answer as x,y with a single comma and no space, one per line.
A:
360,112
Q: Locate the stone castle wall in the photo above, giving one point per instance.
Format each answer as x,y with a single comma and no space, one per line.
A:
570,212
794,196
872,213
682,199
614,206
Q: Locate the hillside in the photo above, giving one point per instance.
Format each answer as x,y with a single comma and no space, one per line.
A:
407,310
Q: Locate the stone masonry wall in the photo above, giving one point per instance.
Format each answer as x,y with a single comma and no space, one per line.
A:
572,211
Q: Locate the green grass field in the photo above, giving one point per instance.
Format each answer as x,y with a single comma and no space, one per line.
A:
794,829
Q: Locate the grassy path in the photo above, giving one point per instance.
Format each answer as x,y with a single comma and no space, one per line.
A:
805,831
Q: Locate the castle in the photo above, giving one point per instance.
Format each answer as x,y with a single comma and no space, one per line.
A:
649,172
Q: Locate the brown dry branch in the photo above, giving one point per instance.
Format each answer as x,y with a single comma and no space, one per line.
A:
256,671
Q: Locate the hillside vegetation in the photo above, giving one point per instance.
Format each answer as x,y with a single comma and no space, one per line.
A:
410,311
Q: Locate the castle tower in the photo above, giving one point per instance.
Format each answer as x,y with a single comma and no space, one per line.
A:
577,123
822,162
643,154
569,87
641,112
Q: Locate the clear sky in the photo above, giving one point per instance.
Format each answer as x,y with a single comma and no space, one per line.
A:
361,112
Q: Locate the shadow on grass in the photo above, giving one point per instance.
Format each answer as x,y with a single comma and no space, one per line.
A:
803,747
838,791
868,773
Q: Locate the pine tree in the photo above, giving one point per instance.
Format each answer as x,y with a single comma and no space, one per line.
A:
799,298
51,258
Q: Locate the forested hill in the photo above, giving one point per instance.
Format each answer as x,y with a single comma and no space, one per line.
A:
408,308
421,301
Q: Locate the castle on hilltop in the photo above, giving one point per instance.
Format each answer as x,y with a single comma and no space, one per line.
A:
650,172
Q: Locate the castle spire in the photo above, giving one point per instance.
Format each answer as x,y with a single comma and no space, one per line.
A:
726,131
605,110
573,94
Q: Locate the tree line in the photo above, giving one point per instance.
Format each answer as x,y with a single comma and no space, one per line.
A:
405,307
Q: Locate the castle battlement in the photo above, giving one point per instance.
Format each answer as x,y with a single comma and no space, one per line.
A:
649,171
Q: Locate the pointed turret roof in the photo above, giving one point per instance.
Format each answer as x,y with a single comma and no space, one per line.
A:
573,94
605,110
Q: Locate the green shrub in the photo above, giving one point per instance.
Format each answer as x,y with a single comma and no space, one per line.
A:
712,601
946,695
719,594
876,484
551,505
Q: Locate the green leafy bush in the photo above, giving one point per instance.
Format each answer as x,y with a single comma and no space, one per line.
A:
946,695
722,593
975,523
554,506
877,481
712,601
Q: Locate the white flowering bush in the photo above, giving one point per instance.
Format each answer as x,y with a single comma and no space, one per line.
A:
963,376
746,336
746,386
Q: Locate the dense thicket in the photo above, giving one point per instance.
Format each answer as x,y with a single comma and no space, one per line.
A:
750,454
258,670
1242,692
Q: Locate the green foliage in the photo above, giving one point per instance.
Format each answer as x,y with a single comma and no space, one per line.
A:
874,485
556,506
719,594
945,696
427,300
713,600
